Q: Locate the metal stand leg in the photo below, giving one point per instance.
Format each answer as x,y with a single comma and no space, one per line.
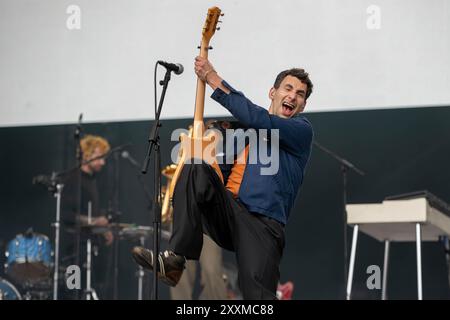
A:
385,269
419,260
88,258
88,271
352,261
57,225
90,292
141,273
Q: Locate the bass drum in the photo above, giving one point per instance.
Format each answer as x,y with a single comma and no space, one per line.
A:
29,258
8,291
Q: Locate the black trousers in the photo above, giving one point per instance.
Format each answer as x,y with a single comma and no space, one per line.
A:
203,205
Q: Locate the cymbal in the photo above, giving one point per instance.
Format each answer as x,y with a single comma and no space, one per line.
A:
94,229
136,232
121,225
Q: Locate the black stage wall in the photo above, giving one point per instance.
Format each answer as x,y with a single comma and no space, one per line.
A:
400,150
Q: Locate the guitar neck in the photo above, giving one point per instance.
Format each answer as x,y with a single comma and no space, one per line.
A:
201,87
212,18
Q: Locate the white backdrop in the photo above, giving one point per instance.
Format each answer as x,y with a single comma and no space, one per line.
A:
50,74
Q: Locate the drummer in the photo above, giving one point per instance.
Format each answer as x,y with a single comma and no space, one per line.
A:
93,147
75,208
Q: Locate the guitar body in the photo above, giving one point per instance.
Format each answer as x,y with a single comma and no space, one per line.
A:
196,147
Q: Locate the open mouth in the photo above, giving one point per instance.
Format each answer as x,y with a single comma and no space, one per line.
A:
288,108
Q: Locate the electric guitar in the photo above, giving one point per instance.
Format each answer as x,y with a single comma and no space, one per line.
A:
196,144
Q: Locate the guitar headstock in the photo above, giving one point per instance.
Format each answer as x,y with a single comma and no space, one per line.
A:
211,21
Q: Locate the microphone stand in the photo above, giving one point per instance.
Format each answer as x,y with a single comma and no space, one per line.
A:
345,166
79,160
154,144
78,166
116,218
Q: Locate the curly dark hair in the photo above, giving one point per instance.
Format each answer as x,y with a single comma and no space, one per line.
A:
300,74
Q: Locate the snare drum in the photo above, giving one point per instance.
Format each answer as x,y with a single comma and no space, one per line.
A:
8,291
29,258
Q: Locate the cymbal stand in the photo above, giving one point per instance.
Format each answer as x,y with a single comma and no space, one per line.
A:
57,226
90,292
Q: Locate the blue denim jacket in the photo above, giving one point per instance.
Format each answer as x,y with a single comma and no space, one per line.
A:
272,195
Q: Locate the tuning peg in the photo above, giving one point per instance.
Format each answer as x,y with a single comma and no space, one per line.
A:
218,28
208,48
222,14
219,21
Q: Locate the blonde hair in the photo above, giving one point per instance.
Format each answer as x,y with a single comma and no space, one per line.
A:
91,142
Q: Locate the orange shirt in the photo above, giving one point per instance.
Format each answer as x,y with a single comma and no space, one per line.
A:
237,173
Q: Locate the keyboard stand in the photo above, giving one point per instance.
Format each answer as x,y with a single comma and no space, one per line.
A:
412,220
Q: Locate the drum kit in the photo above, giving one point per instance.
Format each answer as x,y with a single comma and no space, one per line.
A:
29,261
28,265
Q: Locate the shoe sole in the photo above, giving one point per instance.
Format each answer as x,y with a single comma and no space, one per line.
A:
142,262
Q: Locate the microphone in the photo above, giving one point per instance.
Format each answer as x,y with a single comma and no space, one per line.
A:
42,179
117,149
78,129
175,67
126,155
46,181
77,136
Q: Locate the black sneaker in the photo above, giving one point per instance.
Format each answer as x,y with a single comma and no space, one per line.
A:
170,265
